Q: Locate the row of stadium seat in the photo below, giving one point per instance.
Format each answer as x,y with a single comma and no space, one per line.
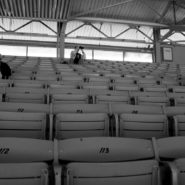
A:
64,121
99,161
93,96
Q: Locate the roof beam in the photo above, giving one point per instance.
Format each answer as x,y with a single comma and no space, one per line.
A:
68,45
122,33
110,39
27,34
121,21
143,34
168,34
105,35
22,26
75,29
48,27
100,9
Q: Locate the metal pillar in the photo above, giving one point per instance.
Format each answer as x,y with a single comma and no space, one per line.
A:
157,46
61,26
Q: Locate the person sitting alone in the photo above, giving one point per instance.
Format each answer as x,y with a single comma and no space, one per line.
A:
78,55
5,69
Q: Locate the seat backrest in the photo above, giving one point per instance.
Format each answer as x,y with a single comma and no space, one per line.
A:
23,161
136,109
112,99
80,108
73,125
109,160
24,107
105,149
135,173
21,124
171,147
143,126
70,98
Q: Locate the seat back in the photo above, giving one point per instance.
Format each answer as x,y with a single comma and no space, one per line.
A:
73,125
109,161
21,124
143,126
22,161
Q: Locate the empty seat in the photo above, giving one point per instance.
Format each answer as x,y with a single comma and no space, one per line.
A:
179,121
112,99
24,107
29,125
108,161
136,109
153,100
23,161
80,108
142,126
123,87
26,98
172,111
72,125
28,84
70,98
172,154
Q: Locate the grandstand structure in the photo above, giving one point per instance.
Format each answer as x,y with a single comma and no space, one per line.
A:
108,121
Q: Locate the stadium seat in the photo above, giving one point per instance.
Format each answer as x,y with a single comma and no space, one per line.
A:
70,98
72,125
21,124
172,154
142,126
108,161
24,161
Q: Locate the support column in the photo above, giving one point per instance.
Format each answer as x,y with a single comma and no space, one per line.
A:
61,26
157,46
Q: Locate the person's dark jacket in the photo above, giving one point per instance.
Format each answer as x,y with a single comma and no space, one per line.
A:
5,69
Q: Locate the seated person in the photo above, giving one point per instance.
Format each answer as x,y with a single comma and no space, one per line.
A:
5,69
78,55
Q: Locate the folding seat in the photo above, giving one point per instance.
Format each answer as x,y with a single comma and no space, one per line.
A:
152,100
112,99
28,84
142,126
125,87
107,161
68,91
26,95
25,161
61,85
73,125
80,108
19,76
172,111
179,125
95,79
136,109
146,81
24,107
70,98
172,155
4,83
96,85
178,98
46,77
124,80
26,98
72,78
21,124
156,88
